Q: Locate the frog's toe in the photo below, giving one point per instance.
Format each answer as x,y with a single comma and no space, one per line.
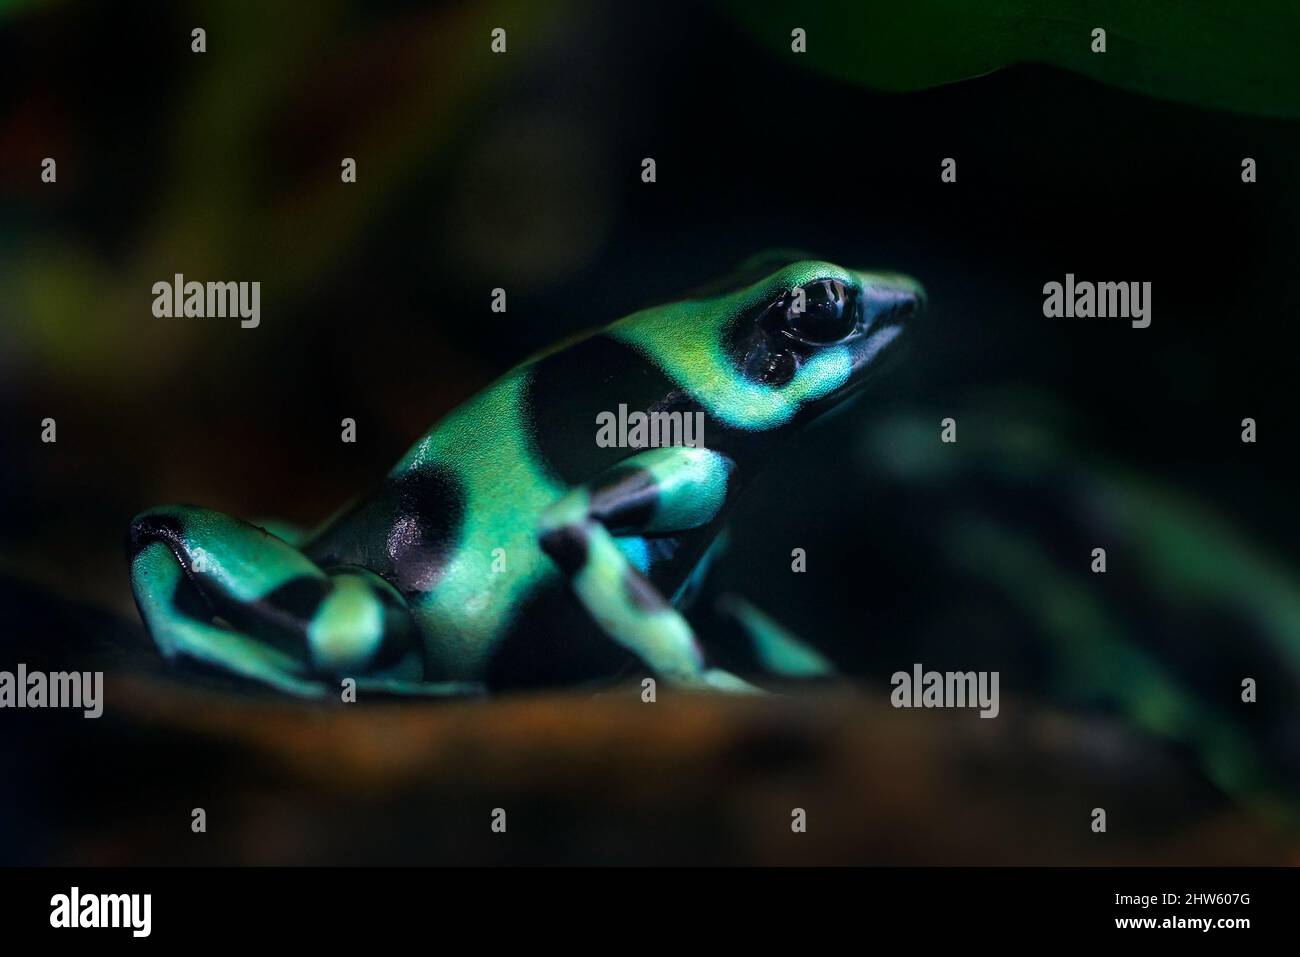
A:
776,649
360,625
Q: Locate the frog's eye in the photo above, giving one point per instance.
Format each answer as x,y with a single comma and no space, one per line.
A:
792,327
818,312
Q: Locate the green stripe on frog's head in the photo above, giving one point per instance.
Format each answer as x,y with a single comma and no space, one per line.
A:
780,349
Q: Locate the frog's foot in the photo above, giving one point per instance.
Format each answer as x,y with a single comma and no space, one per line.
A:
777,650
656,492
228,594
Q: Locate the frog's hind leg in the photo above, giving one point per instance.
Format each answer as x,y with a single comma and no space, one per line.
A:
656,492
166,600
228,594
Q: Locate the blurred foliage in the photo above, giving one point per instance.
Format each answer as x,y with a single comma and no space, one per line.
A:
11,7
1209,53
1188,606
246,171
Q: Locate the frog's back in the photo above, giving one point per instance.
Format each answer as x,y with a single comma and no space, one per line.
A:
454,524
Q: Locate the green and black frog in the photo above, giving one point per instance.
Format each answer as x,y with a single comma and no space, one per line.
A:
508,548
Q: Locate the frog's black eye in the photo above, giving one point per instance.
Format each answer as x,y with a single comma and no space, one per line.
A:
770,368
820,312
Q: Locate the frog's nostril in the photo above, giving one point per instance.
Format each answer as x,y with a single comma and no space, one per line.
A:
904,308
894,299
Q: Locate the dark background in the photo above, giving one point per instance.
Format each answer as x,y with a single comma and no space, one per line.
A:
523,172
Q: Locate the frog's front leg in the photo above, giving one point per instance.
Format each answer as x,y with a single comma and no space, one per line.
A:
656,492
228,594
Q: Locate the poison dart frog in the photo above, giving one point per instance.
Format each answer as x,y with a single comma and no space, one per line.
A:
508,548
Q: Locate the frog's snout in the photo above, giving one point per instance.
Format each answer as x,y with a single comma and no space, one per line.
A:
892,299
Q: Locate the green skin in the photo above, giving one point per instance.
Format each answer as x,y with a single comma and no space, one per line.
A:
460,572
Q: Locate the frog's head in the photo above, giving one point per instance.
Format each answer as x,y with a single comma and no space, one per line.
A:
812,332
779,350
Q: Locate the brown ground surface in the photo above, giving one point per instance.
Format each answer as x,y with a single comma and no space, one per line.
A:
609,779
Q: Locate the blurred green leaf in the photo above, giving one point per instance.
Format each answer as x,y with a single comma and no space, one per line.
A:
1240,57
1019,506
